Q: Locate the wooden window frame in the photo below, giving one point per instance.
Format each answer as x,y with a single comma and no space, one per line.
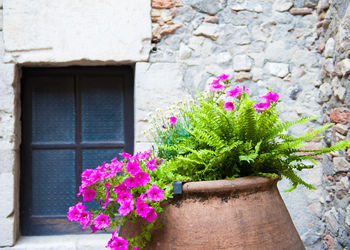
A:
53,225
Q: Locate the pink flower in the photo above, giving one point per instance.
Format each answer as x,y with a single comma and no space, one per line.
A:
236,92
118,243
133,167
101,221
223,77
74,212
88,195
121,188
155,194
85,219
126,208
124,197
215,82
270,97
142,208
261,106
228,106
131,182
151,215
142,178
217,87
172,120
136,248
93,228
107,185
151,165
126,156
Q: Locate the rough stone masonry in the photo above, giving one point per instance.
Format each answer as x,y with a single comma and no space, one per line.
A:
300,48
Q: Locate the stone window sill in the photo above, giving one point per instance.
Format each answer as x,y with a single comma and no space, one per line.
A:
62,242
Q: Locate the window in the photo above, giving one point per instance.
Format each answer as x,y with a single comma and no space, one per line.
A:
72,119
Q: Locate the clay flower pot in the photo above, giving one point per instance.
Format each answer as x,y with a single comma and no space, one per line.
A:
245,213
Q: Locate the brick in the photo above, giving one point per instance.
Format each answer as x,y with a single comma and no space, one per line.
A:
339,115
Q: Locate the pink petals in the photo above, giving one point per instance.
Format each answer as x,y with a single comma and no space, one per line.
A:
270,97
155,194
228,106
261,106
172,120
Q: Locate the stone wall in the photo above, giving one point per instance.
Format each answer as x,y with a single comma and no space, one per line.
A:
299,48
334,27
261,44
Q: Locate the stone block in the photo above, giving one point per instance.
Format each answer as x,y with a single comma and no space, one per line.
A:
282,5
157,85
331,218
277,69
345,66
208,6
325,92
208,30
242,63
65,31
7,226
341,164
341,129
7,194
340,115
329,48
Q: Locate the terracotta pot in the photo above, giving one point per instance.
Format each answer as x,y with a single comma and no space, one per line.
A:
245,213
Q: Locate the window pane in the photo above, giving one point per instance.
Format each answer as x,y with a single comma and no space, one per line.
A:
53,181
53,109
92,158
102,109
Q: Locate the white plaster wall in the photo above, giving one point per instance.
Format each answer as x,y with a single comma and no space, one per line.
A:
60,31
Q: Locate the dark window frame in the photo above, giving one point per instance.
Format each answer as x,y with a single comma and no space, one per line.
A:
52,225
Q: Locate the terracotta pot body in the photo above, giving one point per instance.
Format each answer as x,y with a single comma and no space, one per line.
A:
245,213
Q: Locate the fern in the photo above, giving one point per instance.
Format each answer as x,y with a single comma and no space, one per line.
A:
214,143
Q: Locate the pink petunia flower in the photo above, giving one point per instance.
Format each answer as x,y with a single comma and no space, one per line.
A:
155,194
93,228
236,92
118,243
74,212
136,248
151,165
270,97
126,156
85,219
172,120
101,221
126,208
217,87
142,209
261,106
142,178
124,197
121,188
215,82
131,182
151,215
88,195
223,77
107,185
133,167
228,106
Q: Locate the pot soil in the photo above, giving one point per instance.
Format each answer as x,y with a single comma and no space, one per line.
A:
245,213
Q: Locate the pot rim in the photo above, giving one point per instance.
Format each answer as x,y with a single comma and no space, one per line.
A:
241,184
